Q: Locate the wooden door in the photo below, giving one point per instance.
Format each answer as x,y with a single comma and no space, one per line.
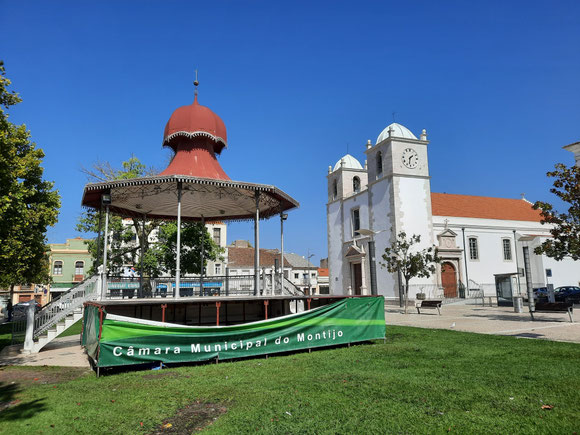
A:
357,278
449,280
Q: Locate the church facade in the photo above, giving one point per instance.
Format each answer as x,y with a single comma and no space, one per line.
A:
486,244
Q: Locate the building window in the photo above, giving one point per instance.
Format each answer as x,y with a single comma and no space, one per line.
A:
296,276
79,268
313,275
217,268
356,184
507,249
334,189
379,164
57,268
355,221
217,236
473,250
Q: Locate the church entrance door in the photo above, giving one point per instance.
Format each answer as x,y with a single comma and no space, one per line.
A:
357,278
449,280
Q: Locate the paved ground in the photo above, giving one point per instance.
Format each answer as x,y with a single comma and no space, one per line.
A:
65,351
491,320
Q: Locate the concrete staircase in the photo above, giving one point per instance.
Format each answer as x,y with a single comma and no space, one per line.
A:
58,315
57,329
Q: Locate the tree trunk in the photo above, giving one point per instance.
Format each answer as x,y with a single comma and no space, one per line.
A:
406,293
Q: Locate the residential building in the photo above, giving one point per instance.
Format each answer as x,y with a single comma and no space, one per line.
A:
70,263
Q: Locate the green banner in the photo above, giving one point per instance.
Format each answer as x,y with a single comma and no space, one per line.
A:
126,341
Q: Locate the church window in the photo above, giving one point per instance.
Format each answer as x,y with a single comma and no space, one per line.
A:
379,164
334,189
473,249
356,184
507,249
355,221
57,268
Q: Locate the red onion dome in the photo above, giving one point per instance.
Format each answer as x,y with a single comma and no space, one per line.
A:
195,121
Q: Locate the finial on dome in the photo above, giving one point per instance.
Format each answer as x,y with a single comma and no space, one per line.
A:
424,135
195,83
329,169
369,144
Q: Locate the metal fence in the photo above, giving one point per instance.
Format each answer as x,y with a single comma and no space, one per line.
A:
121,287
164,287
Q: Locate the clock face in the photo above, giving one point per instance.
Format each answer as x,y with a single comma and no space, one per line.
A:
410,158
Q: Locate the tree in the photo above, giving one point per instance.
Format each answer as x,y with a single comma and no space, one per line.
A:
565,241
28,204
126,240
404,257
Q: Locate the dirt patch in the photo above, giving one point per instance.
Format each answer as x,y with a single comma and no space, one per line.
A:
39,375
194,417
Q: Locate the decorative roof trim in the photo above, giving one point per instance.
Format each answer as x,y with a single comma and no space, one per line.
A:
192,134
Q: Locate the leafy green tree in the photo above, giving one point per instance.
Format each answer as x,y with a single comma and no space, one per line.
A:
28,204
404,257
565,241
127,237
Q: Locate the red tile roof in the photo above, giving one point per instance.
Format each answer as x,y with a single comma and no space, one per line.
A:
483,207
322,271
244,257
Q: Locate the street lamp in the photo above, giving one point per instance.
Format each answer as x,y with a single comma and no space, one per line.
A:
308,267
372,263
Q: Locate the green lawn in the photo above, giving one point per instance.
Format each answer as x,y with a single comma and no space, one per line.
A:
419,381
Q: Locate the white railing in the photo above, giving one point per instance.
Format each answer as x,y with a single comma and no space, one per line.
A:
65,304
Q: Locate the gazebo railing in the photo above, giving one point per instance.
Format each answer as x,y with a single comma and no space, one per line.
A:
164,287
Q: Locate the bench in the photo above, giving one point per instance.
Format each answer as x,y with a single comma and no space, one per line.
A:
429,304
553,307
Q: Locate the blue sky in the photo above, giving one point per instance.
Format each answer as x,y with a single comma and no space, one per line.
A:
495,84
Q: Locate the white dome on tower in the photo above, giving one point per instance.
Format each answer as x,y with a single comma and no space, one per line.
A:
398,130
349,163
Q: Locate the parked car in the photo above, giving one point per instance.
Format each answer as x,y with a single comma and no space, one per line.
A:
21,308
541,293
567,293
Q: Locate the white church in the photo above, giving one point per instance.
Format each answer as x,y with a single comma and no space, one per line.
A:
486,244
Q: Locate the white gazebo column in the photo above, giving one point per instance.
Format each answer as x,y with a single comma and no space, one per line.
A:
202,256
257,246
283,217
178,257
105,249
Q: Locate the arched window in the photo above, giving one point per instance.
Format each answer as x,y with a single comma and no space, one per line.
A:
334,189
79,267
356,184
379,164
57,268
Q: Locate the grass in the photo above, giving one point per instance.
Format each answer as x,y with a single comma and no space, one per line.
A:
419,381
5,335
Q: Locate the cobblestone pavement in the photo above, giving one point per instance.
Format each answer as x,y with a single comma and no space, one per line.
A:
490,320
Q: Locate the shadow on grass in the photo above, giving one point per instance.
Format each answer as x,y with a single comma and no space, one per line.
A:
12,409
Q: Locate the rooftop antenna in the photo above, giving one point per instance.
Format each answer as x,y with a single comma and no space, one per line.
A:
195,83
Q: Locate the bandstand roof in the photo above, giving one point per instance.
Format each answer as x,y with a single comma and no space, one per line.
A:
215,200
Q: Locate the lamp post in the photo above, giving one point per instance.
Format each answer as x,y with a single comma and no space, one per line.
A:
308,267
372,263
